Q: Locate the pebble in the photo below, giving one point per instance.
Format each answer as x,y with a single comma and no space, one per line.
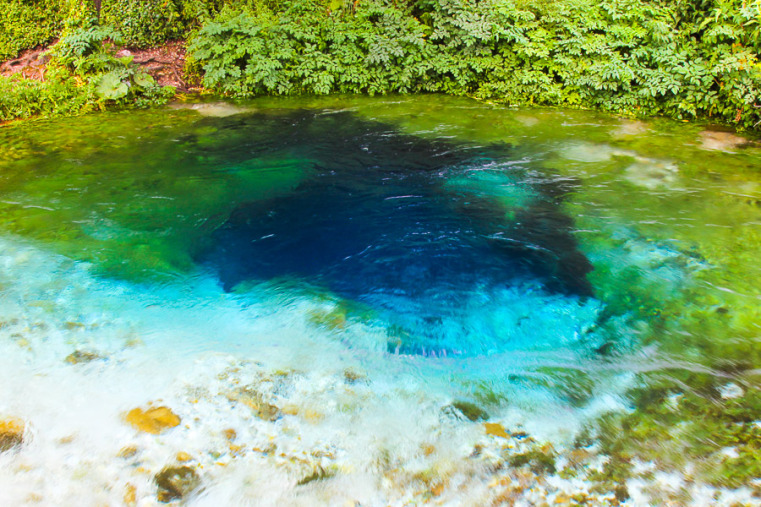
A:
153,420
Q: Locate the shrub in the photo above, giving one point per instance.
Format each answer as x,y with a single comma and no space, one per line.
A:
83,75
145,23
623,56
25,24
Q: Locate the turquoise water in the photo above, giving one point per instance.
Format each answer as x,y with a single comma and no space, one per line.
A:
387,275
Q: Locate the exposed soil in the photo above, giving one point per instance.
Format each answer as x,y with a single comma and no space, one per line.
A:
165,63
31,64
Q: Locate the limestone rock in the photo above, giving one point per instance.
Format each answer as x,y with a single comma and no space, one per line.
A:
153,420
11,433
176,482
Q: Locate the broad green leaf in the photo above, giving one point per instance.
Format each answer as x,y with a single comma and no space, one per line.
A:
143,80
111,86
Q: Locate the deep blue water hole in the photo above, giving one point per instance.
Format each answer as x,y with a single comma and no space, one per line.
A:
376,222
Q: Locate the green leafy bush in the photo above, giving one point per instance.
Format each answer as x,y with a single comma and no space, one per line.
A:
25,24
83,75
25,98
90,53
145,23
622,55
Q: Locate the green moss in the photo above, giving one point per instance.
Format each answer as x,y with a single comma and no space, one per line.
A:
470,410
539,462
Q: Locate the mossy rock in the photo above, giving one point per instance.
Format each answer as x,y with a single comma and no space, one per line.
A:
539,462
470,410
176,482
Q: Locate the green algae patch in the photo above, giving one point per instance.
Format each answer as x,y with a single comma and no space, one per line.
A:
678,226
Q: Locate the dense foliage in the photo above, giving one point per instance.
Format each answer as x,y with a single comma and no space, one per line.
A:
25,24
145,23
683,60
82,75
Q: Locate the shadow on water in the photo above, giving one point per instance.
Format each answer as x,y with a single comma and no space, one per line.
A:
374,223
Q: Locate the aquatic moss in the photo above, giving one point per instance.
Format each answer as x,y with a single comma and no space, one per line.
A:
538,461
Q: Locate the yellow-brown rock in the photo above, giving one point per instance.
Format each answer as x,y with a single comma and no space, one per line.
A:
82,356
127,452
11,433
182,457
153,420
495,429
130,495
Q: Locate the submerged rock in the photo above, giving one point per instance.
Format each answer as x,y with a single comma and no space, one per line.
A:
319,474
175,482
11,433
352,376
183,457
588,152
720,141
153,420
82,356
495,429
255,402
470,410
214,109
127,452
130,495
538,461
629,129
652,174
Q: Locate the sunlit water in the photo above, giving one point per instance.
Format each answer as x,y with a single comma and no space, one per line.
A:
365,266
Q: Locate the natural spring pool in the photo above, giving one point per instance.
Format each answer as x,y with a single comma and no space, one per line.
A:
374,301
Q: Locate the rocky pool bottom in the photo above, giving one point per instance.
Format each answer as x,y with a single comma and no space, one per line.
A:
155,402
136,368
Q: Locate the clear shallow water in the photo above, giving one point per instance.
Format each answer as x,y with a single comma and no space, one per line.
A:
361,264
